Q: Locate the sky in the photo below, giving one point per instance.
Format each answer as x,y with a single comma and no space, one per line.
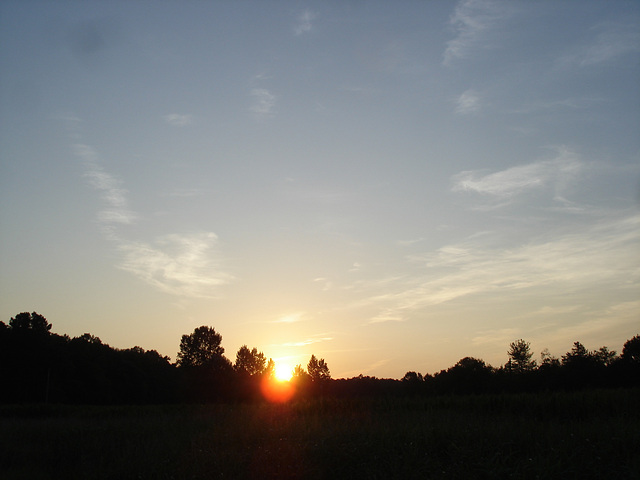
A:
391,186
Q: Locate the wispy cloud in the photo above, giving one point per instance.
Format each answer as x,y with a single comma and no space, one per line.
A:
180,264
115,210
408,243
303,24
500,336
290,318
592,258
472,20
599,327
514,181
326,283
390,315
307,341
178,119
264,103
547,310
611,41
469,102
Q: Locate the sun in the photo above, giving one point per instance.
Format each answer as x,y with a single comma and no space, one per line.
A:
283,372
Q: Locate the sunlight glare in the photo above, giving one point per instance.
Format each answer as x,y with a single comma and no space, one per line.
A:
283,372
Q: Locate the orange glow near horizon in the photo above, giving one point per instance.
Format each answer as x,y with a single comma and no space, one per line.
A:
276,390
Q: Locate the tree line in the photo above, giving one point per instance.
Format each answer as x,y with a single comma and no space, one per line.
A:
38,366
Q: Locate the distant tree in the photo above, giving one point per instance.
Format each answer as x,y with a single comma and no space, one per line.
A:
471,364
318,369
578,355
582,368
468,375
250,362
631,350
88,338
299,373
201,348
548,360
152,356
31,322
27,352
412,377
205,371
413,382
302,382
520,357
604,356
270,369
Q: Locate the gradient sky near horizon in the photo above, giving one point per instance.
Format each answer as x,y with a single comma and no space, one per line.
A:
390,186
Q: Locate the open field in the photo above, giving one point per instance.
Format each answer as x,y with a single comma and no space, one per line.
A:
556,435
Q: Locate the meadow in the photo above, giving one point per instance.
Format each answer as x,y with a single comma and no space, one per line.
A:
587,434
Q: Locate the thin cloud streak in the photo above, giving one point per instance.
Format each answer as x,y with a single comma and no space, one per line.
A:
517,180
598,325
593,258
469,102
614,40
387,316
264,103
471,20
304,343
177,119
500,336
290,318
408,243
114,197
326,284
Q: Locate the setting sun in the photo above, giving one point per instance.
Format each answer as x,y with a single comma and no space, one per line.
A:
283,372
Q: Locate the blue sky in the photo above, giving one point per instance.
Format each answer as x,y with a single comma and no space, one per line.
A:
390,186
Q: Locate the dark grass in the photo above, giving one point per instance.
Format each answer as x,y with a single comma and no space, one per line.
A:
591,434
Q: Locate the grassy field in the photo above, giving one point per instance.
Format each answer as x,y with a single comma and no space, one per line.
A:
557,435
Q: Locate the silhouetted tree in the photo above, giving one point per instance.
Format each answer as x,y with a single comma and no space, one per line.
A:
469,375
299,373
30,322
604,356
582,368
37,365
412,377
270,369
88,338
547,360
207,373
318,369
631,350
520,357
250,362
627,368
27,353
201,348
578,355
413,382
